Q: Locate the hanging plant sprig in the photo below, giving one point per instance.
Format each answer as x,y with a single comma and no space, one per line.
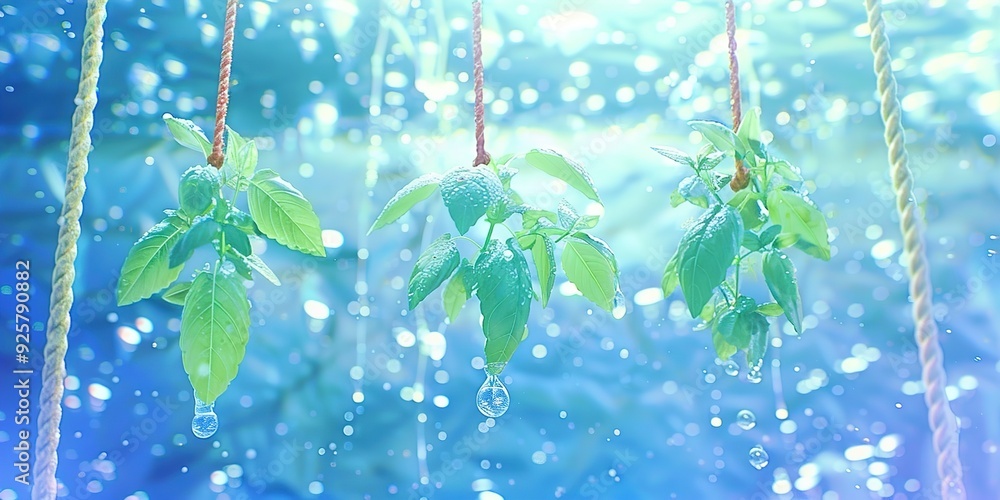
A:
768,212
497,272
215,319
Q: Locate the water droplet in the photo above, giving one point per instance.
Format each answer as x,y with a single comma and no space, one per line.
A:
754,376
619,305
758,457
493,399
732,369
746,420
205,421
507,255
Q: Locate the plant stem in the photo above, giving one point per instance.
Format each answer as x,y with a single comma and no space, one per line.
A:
736,286
470,240
489,234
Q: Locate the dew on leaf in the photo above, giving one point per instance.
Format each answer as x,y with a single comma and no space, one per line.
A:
618,309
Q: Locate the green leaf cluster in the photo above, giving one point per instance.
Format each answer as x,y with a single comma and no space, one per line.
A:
754,225
497,273
215,319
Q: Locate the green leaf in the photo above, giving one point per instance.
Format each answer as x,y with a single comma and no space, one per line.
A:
723,349
455,294
567,215
201,233
591,270
236,239
758,340
199,185
147,269
768,235
257,264
417,190
770,309
531,217
215,328
504,298
176,293
694,190
187,134
240,264
676,199
799,218
675,155
734,328
501,160
563,168
749,129
433,267
670,277
708,249
543,254
746,202
469,192
779,273
282,213
751,241
587,222
787,170
240,161
243,221
711,160
719,135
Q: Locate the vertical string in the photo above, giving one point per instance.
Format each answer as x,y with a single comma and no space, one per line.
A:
222,101
61,299
482,157
740,178
940,417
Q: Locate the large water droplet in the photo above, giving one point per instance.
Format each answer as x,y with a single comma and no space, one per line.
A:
754,376
493,399
758,457
205,421
732,369
746,420
618,311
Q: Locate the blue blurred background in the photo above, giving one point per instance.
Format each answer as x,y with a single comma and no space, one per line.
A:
344,395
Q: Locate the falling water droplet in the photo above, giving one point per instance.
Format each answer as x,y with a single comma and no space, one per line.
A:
493,399
754,376
746,420
732,369
205,421
758,457
619,305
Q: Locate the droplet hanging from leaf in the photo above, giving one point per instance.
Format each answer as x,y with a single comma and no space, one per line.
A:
493,398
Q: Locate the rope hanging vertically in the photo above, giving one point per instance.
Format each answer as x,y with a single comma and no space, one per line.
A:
942,420
222,101
61,299
740,178
482,157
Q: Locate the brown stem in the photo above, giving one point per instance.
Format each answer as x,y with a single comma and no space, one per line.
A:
482,157
222,103
740,178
